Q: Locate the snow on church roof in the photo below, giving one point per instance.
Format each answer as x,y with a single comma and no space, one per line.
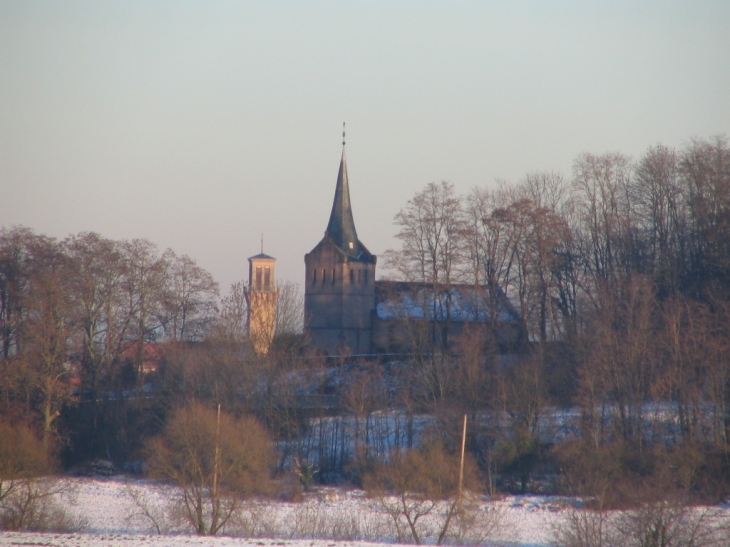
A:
407,300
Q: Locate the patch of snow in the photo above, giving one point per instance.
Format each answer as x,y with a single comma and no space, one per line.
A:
113,518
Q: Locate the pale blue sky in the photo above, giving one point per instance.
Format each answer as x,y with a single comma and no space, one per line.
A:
199,125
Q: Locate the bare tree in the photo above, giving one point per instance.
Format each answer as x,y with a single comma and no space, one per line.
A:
414,485
668,524
488,244
430,229
22,456
660,206
48,327
231,323
14,256
95,282
144,290
659,524
216,460
26,497
586,528
601,187
364,394
619,371
289,309
705,172
538,232
518,241
190,299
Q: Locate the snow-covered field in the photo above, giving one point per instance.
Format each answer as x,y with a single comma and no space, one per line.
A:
127,540
127,513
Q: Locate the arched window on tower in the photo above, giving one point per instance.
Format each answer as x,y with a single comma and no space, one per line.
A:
324,275
359,276
333,276
366,275
267,277
352,276
314,276
258,277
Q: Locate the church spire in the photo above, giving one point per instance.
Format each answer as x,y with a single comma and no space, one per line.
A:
341,227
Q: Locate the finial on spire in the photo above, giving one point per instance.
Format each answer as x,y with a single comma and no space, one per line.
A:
343,133
262,243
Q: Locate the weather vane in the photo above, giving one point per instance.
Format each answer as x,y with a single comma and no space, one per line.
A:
343,133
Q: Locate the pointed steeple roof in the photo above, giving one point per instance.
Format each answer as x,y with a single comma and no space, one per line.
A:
341,227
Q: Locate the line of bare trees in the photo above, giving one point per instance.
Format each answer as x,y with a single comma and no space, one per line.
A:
553,244
86,327
621,275
76,315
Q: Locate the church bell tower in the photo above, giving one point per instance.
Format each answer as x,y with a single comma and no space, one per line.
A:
261,295
339,294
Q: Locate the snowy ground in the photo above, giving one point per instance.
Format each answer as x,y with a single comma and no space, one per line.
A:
142,540
111,517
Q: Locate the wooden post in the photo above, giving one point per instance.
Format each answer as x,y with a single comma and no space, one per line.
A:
461,464
216,460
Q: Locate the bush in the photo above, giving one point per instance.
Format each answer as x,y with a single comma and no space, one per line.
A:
26,499
411,486
217,461
620,474
32,506
657,524
22,454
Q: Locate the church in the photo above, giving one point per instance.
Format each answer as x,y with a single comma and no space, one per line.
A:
346,311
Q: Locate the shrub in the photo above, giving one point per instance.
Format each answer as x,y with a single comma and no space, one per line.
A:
217,461
26,499
414,485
